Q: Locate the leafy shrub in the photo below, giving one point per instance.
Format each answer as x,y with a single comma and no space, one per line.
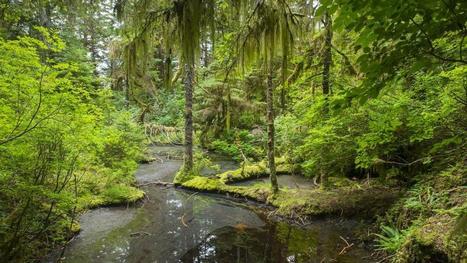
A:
238,144
63,145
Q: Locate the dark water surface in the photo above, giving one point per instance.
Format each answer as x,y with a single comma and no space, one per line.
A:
178,226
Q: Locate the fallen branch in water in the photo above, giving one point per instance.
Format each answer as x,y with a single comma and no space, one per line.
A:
189,197
346,247
156,183
183,220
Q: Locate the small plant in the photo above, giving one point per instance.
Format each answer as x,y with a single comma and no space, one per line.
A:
391,239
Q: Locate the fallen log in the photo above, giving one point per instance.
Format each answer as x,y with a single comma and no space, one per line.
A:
160,183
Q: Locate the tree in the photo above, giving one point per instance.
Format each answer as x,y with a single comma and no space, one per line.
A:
270,21
185,17
327,61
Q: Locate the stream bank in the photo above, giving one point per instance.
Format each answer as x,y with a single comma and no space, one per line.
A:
298,197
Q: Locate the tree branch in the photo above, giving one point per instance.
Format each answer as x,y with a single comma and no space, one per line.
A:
432,47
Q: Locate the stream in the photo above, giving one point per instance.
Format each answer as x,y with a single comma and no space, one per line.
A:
174,225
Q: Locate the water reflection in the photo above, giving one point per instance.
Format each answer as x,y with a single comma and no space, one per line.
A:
272,243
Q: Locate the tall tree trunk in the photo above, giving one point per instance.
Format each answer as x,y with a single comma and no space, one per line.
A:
228,114
270,120
168,69
189,76
327,60
327,55
127,91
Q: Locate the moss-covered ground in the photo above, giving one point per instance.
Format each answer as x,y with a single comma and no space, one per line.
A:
113,195
429,221
351,199
255,170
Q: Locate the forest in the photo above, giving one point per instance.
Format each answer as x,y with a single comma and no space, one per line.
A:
233,131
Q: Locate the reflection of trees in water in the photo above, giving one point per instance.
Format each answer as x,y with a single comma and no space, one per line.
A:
301,244
227,244
272,243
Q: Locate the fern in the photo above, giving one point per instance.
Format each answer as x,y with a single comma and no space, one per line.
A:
391,239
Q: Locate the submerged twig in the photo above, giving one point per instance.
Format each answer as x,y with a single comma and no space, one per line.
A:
346,247
182,219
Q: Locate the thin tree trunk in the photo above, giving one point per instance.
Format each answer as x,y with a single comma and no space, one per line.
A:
327,60
283,106
228,115
327,55
189,75
127,91
270,120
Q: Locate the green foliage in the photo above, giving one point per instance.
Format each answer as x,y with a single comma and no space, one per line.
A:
413,122
168,109
428,216
428,31
63,145
396,107
390,239
239,144
122,193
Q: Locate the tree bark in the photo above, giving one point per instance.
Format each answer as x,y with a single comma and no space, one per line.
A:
189,76
270,120
327,60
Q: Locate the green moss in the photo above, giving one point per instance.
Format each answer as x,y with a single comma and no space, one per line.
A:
89,201
440,237
122,193
256,170
182,176
435,212
247,171
259,193
204,184
285,168
368,200
337,182
112,195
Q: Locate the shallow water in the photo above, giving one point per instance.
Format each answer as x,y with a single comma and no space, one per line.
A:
179,226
